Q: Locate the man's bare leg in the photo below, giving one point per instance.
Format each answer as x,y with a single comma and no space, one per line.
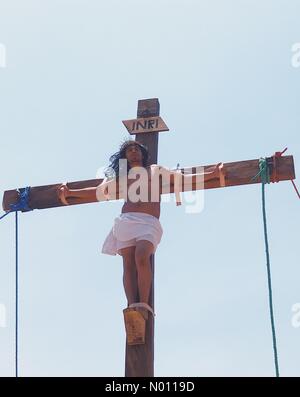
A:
130,274
143,251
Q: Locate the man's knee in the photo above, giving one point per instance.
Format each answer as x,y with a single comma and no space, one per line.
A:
143,251
128,255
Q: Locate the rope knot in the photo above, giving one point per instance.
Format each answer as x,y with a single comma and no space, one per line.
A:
264,171
23,199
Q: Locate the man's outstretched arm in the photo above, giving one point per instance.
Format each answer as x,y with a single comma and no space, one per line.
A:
186,179
179,181
98,193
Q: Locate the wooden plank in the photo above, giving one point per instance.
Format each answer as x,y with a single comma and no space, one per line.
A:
139,359
42,197
241,172
135,324
237,173
145,125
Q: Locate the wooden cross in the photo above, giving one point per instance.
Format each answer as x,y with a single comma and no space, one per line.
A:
139,360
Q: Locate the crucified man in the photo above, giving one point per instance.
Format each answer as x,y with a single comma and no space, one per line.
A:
137,230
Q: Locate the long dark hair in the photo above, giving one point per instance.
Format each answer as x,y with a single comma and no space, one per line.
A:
113,170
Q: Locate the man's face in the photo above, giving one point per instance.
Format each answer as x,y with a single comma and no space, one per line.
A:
134,155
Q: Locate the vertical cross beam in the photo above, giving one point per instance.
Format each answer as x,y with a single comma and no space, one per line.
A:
139,360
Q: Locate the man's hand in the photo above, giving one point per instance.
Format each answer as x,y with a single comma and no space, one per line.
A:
217,170
63,193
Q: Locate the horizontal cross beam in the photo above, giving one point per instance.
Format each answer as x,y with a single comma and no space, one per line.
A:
237,173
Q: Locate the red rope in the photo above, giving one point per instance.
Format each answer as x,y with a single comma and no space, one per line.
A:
295,188
275,156
274,173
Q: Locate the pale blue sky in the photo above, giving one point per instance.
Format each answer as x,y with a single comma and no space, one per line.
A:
228,92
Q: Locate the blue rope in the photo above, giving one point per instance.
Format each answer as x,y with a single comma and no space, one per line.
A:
1,217
23,199
265,178
21,204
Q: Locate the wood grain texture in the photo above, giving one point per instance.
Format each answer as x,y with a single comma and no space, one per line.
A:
237,173
139,359
135,325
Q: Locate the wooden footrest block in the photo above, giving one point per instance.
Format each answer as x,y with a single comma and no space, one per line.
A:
135,325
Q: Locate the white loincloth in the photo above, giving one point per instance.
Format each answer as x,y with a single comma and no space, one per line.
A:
130,227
